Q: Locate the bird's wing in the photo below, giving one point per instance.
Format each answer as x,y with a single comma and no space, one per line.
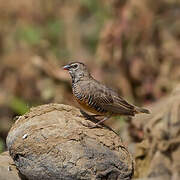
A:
110,101
120,106
96,96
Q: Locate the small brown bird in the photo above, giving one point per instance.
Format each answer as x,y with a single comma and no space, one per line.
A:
96,97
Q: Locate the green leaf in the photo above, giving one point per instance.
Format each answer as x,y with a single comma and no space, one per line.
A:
2,146
31,34
18,105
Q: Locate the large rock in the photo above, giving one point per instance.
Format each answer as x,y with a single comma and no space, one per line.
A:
52,142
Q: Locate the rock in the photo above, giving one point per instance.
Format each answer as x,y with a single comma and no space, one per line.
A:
52,142
8,169
158,155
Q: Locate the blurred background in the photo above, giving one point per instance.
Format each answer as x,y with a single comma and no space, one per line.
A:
132,46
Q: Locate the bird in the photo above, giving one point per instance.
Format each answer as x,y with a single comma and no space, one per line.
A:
96,98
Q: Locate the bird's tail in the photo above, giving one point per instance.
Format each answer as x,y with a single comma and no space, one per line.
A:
141,110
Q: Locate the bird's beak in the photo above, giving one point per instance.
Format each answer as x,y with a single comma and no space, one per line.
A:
66,67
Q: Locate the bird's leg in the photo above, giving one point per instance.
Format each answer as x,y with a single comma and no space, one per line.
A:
101,121
89,117
93,119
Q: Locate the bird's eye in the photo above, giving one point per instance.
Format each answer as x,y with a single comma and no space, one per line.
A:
75,66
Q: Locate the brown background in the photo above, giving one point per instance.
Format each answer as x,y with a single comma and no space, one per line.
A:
132,46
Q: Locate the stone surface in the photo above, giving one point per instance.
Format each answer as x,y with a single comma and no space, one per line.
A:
52,142
8,169
158,156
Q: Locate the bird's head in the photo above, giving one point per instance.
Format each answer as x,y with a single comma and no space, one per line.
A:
77,70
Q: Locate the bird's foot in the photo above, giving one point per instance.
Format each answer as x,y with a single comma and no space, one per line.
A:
89,125
96,126
98,123
101,122
89,117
